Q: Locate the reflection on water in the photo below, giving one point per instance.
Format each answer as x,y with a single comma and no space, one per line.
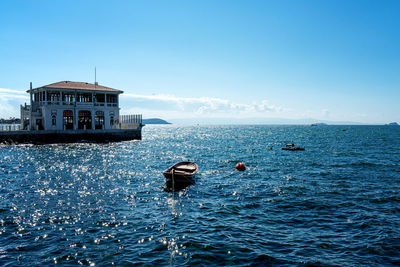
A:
101,204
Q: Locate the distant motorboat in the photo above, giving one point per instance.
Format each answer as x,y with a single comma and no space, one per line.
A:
180,175
292,147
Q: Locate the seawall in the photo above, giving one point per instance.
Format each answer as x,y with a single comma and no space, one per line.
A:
69,136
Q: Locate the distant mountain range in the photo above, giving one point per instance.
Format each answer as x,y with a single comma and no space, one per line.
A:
308,121
278,121
154,121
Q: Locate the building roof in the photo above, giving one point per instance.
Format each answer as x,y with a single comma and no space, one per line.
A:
79,86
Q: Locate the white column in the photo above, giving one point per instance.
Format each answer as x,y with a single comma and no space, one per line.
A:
93,114
75,112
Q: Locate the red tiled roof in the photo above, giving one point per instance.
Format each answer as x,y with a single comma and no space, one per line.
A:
79,86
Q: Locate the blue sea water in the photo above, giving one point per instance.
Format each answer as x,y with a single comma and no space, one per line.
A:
335,204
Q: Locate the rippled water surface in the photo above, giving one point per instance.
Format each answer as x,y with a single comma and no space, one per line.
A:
336,203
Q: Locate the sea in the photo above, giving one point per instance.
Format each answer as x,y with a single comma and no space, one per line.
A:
335,204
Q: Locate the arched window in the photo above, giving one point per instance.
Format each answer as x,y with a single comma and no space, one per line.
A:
111,121
84,119
99,120
53,120
68,120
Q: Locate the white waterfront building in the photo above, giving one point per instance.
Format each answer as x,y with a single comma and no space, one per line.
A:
70,105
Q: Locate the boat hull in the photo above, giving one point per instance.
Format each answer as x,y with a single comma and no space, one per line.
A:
177,178
293,149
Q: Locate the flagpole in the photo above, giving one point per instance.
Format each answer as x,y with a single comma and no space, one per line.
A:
30,110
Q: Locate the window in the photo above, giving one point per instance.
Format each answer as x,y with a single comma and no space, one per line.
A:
68,120
53,97
84,120
68,98
84,98
99,120
100,98
111,121
53,120
111,98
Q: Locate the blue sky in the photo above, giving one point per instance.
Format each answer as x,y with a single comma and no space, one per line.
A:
200,60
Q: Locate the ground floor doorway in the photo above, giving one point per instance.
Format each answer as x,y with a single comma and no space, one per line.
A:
68,120
84,120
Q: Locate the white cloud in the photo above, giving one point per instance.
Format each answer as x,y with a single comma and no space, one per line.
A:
10,100
167,106
179,107
12,94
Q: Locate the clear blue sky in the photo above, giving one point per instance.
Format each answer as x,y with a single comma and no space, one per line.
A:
326,60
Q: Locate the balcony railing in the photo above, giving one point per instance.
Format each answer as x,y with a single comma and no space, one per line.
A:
137,118
71,103
10,127
130,121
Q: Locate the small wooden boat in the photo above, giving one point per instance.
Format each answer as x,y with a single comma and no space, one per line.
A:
182,173
292,147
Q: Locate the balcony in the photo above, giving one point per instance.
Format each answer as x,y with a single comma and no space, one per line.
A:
78,104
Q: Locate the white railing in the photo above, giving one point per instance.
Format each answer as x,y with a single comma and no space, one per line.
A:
10,127
130,121
124,119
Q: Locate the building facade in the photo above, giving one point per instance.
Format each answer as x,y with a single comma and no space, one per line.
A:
70,105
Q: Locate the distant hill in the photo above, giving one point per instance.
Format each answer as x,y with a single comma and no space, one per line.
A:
154,121
393,124
231,120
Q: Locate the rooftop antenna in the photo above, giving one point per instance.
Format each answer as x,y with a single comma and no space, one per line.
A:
30,108
95,77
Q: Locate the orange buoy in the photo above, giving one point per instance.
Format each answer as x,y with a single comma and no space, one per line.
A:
240,166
